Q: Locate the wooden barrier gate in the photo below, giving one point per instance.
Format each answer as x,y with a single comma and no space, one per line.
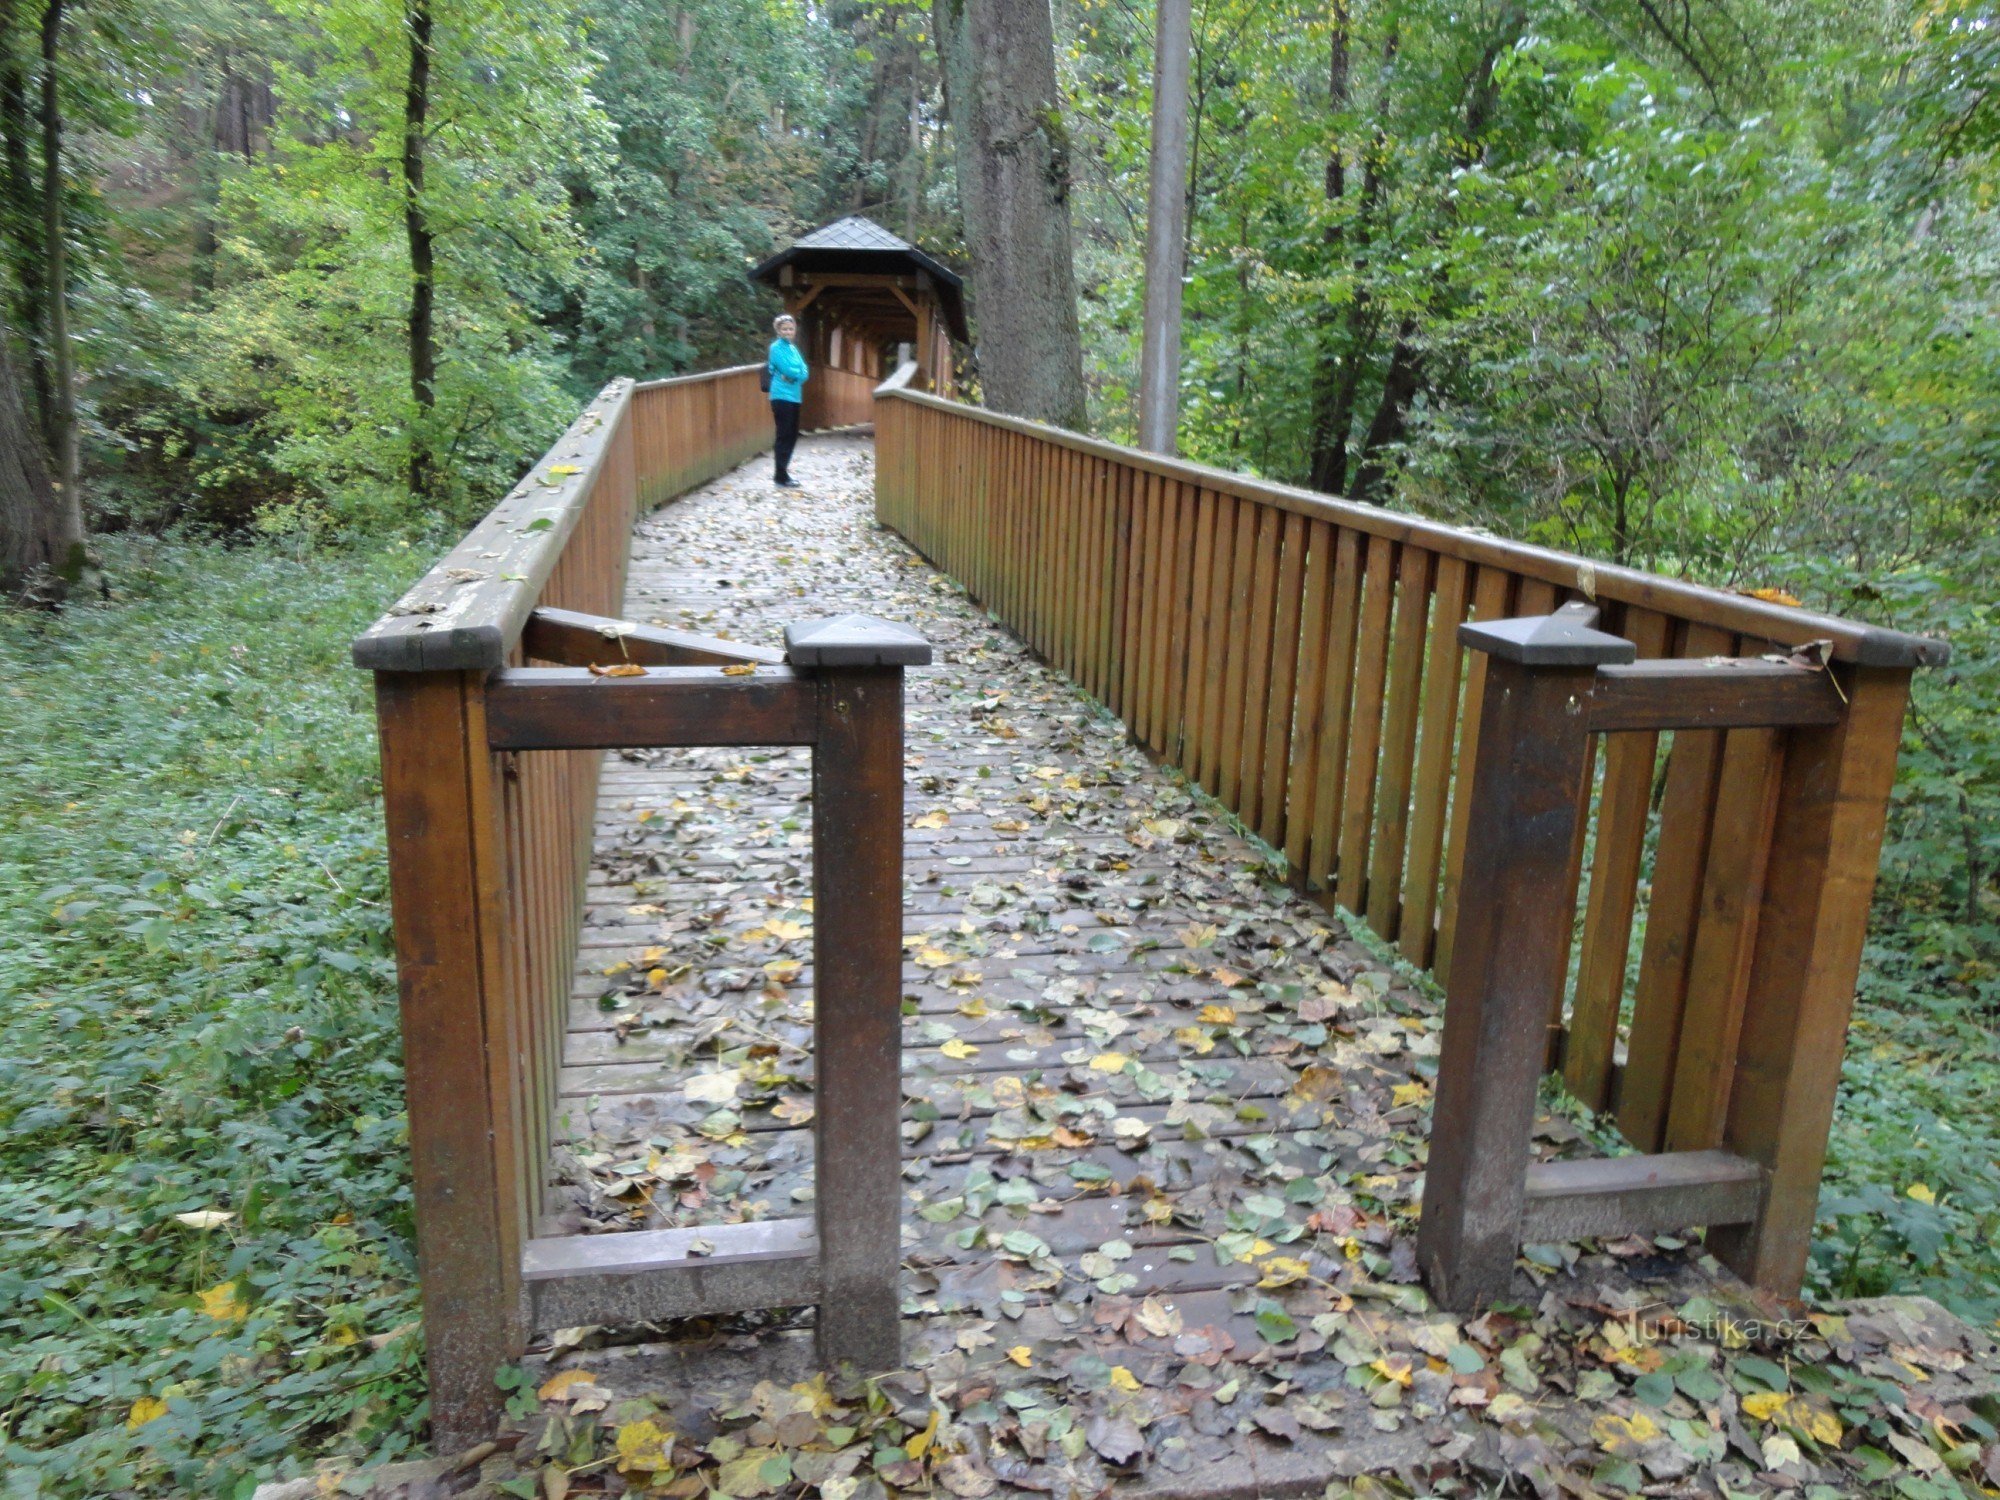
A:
1329,671
489,785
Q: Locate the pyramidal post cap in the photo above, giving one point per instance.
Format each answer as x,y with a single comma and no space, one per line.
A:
855,641
1567,638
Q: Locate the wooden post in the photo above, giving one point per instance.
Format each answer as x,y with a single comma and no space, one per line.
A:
1509,957
1826,840
459,1049
857,992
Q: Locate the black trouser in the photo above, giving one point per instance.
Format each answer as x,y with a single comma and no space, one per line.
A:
786,415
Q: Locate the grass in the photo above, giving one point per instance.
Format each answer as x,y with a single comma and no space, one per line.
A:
199,1019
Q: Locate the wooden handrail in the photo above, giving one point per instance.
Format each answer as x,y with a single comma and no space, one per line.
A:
489,845
1744,1163
1870,645
1299,657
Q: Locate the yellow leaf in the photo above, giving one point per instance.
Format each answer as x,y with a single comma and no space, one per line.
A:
937,817
1110,1062
1283,1270
934,958
818,1398
1409,1093
919,1445
620,669
740,669
1123,1379
1623,1436
1774,596
1921,1192
644,1448
958,1051
144,1410
564,469
1218,1015
1195,1039
1822,1427
557,1386
222,1303
784,931
1396,1367
1767,1406
1022,1355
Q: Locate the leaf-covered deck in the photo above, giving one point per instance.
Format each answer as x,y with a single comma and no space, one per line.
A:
1165,1124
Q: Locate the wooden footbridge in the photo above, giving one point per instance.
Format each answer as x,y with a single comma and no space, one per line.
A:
1629,825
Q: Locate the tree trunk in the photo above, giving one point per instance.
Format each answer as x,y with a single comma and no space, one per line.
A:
55,255
41,531
1166,232
1343,355
1405,373
997,58
1399,389
423,343
21,216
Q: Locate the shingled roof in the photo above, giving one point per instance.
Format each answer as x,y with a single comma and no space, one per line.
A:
857,244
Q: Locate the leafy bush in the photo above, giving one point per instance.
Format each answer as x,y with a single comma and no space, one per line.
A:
200,1031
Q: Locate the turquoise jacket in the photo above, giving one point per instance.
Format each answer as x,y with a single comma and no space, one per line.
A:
788,370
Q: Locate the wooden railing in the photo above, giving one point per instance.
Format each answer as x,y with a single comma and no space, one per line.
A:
845,399
1300,658
489,784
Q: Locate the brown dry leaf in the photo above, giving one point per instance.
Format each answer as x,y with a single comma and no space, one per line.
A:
618,669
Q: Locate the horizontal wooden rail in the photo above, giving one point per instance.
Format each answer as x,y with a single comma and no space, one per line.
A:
1609,1197
570,638
570,708
1299,657
643,1277
1714,693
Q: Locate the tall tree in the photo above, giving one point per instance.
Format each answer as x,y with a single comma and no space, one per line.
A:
423,259
1166,231
61,416
1012,150
41,529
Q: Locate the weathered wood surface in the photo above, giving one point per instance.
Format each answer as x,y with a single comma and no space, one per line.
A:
1102,982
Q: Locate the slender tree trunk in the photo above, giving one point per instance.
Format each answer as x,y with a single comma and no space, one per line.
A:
1399,389
1337,378
1405,373
63,434
1166,231
41,531
1012,149
21,216
423,343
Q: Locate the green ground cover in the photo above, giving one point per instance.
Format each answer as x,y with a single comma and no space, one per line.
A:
199,1021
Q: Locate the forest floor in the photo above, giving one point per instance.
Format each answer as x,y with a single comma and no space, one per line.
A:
1163,1145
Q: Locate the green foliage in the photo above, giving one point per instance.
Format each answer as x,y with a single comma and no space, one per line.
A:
201,1019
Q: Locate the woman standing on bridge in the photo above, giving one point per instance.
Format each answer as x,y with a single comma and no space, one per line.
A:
786,374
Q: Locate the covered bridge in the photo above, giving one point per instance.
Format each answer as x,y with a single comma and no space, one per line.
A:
858,292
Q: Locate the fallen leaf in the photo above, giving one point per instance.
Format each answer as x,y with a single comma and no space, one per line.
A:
224,1303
